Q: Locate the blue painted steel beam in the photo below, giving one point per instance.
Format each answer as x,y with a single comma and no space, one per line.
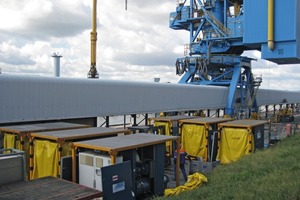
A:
232,90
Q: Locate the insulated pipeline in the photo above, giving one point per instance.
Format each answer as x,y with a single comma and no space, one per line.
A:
271,24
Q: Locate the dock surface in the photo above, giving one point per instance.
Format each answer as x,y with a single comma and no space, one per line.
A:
48,188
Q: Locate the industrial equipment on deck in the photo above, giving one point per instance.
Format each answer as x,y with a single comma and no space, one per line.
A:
143,150
285,115
15,136
220,30
12,166
170,125
55,144
90,164
239,138
199,136
117,187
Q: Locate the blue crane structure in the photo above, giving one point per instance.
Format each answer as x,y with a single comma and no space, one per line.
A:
221,30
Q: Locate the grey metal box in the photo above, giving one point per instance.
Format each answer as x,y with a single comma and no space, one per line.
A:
12,166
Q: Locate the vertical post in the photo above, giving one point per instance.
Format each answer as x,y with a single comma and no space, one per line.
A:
113,156
191,24
232,89
177,160
107,121
93,70
74,161
237,8
207,153
94,33
30,157
134,119
60,149
22,141
225,13
146,119
124,124
218,9
271,24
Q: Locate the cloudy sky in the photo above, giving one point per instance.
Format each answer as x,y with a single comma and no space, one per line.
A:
133,44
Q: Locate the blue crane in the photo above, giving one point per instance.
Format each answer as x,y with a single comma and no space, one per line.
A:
221,30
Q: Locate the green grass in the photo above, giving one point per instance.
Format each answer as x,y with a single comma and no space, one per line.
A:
273,173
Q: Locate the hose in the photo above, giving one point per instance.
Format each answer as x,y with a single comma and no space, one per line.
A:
202,67
196,68
181,66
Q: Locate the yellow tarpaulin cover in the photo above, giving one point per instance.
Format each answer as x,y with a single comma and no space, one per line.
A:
235,143
46,156
66,150
45,159
194,181
166,124
194,140
10,141
167,132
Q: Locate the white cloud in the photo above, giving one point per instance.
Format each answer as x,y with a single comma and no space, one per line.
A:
12,55
42,19
136,44
281,77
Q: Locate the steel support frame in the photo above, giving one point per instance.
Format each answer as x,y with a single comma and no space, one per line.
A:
237,75
204,68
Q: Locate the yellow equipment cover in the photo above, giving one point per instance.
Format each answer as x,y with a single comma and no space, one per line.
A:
45,159
235,143
194,180
167,132
66,150
10,141
194,140
166,124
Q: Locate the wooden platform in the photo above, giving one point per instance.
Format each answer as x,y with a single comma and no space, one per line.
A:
48,188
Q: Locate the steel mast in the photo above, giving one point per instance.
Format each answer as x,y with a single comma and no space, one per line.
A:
93,73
